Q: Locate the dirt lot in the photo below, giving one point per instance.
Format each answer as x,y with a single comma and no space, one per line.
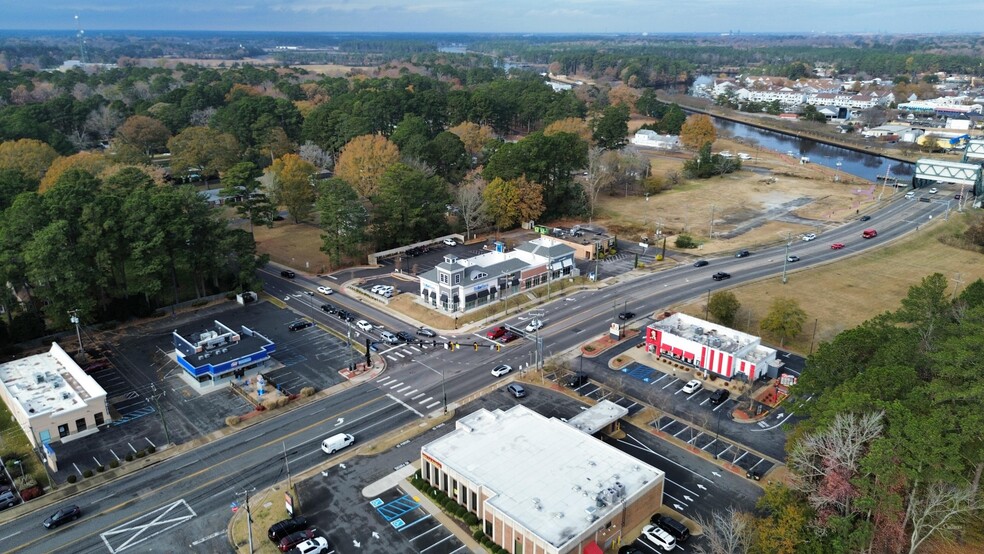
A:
296,246
773,195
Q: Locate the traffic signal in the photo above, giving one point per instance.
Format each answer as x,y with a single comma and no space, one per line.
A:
367,353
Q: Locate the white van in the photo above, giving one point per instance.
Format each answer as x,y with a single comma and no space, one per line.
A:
336,442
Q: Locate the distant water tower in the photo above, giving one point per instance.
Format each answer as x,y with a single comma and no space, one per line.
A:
81,36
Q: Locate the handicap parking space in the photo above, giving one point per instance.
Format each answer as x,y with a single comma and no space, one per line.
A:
404,515
125,401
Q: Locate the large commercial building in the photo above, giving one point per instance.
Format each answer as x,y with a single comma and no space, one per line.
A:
212,356
711,347
51,398
461,284
539,485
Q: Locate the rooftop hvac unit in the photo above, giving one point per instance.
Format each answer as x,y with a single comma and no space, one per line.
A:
39,378
66,395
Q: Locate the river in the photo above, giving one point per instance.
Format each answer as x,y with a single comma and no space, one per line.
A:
866,166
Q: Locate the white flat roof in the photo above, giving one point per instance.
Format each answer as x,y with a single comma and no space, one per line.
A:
552,479
598,417
48,382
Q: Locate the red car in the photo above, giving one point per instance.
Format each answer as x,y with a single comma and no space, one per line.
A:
837,246
294,539
508,337
496,333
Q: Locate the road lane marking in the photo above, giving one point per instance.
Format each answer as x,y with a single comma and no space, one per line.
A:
404,404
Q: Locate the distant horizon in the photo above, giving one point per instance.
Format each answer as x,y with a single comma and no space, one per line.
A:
590,17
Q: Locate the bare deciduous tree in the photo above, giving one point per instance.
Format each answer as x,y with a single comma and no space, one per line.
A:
931,509
313,153
729,532
470,202
201,118
825,462
103,122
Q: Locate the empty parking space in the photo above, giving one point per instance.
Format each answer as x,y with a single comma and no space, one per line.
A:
126,403
404,515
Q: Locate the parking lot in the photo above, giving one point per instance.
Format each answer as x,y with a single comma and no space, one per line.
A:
413,524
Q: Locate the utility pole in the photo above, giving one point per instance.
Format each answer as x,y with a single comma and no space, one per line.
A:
710,232
249,518
785,260
707,305
78,333
348,324
154,397
287,463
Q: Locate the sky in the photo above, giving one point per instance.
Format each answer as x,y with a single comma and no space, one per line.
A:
502,16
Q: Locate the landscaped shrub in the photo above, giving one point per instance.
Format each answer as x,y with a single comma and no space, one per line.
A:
307,391
31,492
114,464
487,542
151,449
270,403
199,303
100,468
478,534
72,478
141,454
232,420
87,473
471,519
283,401
685,241
129,457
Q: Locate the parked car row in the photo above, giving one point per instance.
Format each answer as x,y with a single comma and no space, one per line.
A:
295,535
386,291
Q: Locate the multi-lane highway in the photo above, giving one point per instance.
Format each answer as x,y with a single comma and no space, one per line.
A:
188,498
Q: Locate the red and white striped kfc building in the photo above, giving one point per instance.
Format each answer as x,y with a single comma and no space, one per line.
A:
711,347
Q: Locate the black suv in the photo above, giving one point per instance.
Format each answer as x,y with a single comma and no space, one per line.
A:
719,396
677,530
287,274
576,380
625,316
721,276
298,324
405,336
742,254
283,528
344,315
329,309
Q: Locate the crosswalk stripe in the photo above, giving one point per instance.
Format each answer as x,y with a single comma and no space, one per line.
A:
436,402
396,385
404,388
415,348
411,392
425,401
391,357
416,397
400,355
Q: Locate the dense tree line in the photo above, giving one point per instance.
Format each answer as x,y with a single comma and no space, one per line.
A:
891,455
114,247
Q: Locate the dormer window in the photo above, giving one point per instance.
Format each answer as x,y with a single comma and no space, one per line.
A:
457,278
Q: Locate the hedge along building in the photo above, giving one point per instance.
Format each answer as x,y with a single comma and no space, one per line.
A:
462,284
52,399
543,486
712,348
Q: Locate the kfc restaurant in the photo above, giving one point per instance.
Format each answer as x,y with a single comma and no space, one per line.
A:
711,348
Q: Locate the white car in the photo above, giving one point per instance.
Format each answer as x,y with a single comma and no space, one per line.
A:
317,545
934,190
450,242
500,370
809,236
692,386
364,325
325,290
658,537
534,325
375,288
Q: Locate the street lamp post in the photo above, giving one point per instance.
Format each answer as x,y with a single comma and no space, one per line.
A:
785,261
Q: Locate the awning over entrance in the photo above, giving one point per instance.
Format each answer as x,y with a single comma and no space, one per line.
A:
470,297
568,262
556,266
593,548
444,297
483,293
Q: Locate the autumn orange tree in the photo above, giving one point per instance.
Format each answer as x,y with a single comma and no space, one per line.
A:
140,136
90,162
511,202
573,125
292,186
473,135
363,162
697,131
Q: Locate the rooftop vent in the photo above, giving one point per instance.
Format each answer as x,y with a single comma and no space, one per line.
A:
66,395
558,515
